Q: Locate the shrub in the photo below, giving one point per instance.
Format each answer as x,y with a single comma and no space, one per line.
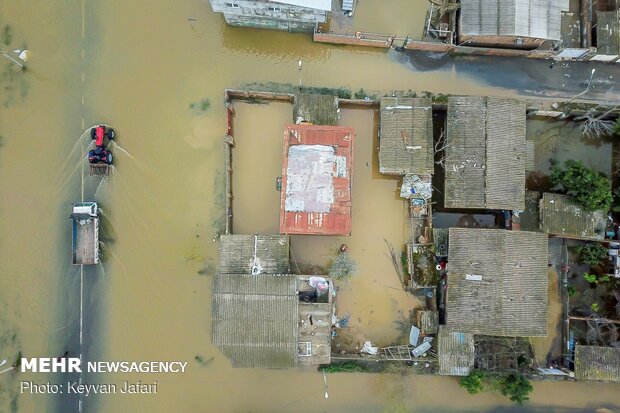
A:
474,383
596,279
516,387
595,307
571,291
342,267
591,189
592,253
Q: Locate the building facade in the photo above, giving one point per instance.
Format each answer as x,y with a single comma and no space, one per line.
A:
292,15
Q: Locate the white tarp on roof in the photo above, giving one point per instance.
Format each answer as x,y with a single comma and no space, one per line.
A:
325,5
309,178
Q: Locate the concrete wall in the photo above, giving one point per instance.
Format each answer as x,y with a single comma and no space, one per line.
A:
268,15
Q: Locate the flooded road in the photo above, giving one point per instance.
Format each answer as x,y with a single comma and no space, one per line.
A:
147,70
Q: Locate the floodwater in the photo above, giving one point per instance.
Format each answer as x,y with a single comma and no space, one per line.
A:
139,66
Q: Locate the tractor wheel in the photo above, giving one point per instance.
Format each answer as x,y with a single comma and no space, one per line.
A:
109,158
93,133
111,134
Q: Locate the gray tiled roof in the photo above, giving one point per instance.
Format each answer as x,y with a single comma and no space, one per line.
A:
237,253
560,215
255,319
486,153
406,136
511,298
597,363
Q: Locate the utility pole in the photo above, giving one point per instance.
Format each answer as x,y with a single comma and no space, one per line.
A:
325,385
587,89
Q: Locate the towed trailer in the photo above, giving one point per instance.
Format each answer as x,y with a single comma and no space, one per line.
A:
85,238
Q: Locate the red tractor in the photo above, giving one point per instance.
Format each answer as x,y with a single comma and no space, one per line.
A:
101,154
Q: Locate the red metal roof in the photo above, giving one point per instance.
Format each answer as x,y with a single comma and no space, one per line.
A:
337,221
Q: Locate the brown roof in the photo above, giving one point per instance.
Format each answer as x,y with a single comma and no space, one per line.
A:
560,215
406,136
597,363
486,153
497,282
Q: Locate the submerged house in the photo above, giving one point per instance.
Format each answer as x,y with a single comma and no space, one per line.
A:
316,180
597,363
497,282
523,24
287,15
406,136
264,317
316,109
561,216
485,154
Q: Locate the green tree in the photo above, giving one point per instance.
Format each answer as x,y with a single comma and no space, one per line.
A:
591,189
474,383
516,387
592,253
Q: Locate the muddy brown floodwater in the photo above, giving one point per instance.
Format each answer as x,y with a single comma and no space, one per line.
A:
139,66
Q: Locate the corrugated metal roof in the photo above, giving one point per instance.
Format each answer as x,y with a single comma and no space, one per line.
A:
597,363
406,136
239,253
539,19
255,319
486,153
302,220
608,32
560,215
455,351
507,295
316,109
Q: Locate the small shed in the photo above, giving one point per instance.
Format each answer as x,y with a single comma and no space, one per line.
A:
255,319
406,136
561,216
497,282
485,154
316,109
608,32
253,254
427,321
456,352
597,363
